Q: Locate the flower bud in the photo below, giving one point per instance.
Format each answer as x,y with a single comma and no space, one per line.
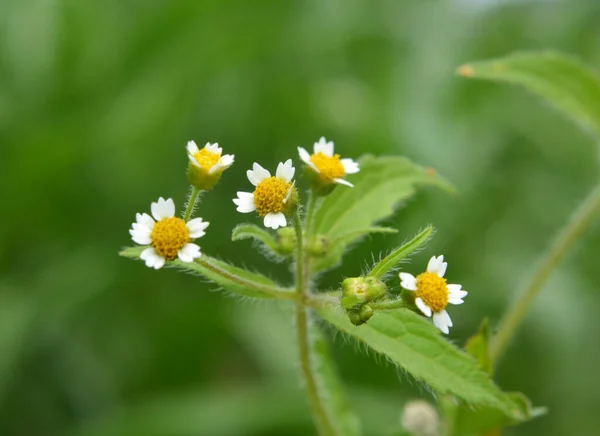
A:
319,246
286,241
420,418
357,291
360,316
205,165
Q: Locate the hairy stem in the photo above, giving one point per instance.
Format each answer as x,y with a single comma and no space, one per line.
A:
191,204
275,291
320,416
579,222
310,211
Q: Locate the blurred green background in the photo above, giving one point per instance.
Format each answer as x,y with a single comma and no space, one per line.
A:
97,101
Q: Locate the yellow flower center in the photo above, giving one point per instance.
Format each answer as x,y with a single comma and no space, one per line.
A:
433,290
270,195
206,159
169,236
330,167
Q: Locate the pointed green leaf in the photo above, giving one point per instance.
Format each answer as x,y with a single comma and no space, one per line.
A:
391,260
267,242
414,344
569,85
380,186
337,247
478,347
485,420
337,406
229,277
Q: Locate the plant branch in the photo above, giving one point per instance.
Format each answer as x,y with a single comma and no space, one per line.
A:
318,410
579,222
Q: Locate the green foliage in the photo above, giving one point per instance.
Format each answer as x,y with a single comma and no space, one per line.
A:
251,231
335,251
330,388
411,342
478,346
569,85
379,187
389,262
233,279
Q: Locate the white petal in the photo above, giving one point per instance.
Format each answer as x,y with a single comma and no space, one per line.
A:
285,171
192,147
226,161
455,300
350,167
455,291
408,281
275,220
188,252
245,202
163,209
145,220
442,321
257,174
437,266
313,166
216,167
343,182
152,258
304,155
196,227
140,236
323,146
423,307
213,148
193,160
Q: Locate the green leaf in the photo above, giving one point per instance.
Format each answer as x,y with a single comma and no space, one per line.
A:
478,347
391,260
338,246
251,231
381,184
336,405
569,85
231,278
469,422
414,344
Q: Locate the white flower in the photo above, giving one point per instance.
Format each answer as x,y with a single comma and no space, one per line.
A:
169,237
274,196
432,293
329,166
209,158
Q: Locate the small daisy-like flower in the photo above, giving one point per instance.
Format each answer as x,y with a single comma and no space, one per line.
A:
169,237
432,293
274,198
206,164
327,165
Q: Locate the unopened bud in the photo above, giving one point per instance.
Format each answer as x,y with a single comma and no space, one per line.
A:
286,241
420,418
360,316
319,246
360,290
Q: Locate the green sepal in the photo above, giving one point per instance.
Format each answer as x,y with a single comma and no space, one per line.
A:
200,179
357,291
391,260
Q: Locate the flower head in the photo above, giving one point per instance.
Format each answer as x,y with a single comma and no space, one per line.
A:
169,237
328,166
274,198
432,293
206,164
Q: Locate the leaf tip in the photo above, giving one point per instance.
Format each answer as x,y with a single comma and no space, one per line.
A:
465,71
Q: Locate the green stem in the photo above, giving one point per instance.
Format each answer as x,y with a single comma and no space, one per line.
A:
388,305
310,211
324,427
276,291
579,222
191,205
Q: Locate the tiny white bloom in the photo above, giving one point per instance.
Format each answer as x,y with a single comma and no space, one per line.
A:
432,293
168,237
329,166
209,158
274,197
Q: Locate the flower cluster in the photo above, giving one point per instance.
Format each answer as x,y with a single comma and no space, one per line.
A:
275,199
